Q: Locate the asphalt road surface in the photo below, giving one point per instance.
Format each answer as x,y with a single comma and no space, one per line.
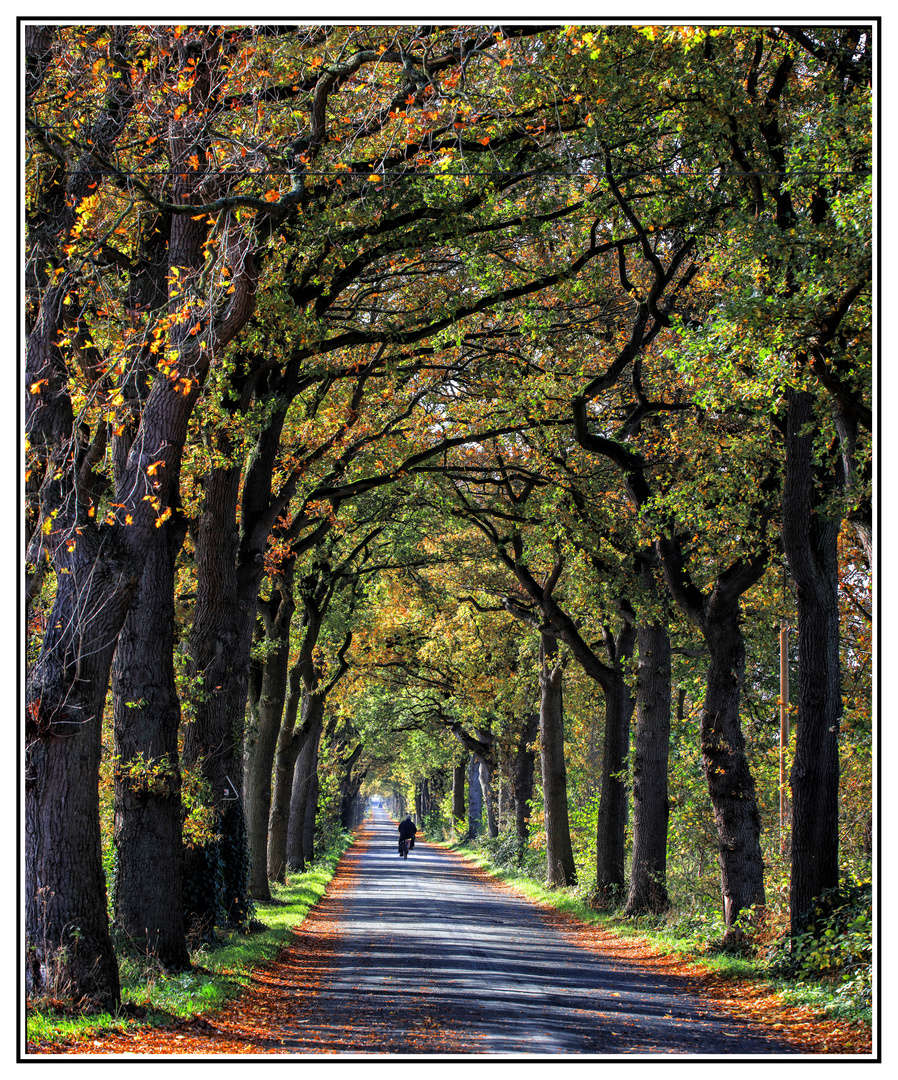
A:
428,958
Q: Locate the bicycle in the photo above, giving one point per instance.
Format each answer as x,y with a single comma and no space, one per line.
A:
404,846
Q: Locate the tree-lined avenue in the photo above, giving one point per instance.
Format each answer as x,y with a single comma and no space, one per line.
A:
470,420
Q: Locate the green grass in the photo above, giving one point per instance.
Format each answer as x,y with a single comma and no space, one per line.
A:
152,997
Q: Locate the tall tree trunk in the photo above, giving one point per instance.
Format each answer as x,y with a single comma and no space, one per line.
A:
219,645
69,951
260,742
731,787
480,746
730,783
458,791
523,777
612,821
290,742
304,793
310,810
147,714
489,800
560,869
230,566
651,809
349,788
504,801
810,534
611,825
475,797
286,842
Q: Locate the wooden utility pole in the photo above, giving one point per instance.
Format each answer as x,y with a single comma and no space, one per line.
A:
784,726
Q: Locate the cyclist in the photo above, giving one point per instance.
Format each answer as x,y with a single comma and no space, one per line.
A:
407,830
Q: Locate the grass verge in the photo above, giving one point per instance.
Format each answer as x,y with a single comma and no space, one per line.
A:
151,996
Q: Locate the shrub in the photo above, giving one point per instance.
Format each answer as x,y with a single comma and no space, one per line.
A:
507,852
438,824
834,944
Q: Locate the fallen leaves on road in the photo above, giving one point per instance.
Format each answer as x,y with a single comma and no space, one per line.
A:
279,1013
741,999
253,1024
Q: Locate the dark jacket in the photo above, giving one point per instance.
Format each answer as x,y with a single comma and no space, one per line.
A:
407,828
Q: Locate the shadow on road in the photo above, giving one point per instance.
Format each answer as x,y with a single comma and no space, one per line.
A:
430,959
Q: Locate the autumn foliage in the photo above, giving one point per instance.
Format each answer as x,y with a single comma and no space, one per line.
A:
455,413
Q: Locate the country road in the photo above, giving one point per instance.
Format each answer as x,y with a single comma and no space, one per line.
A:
426,947
431,957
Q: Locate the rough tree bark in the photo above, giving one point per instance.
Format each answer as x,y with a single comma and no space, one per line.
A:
68,947
560,869
475,798
810,535
833,354
290,743
286,843
458,791
146,714
229,568
717,613
651,809
731,786
265,717
349,789
611,824
146,707
310,810
219,646
523,777
304,793
486,772
480,770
